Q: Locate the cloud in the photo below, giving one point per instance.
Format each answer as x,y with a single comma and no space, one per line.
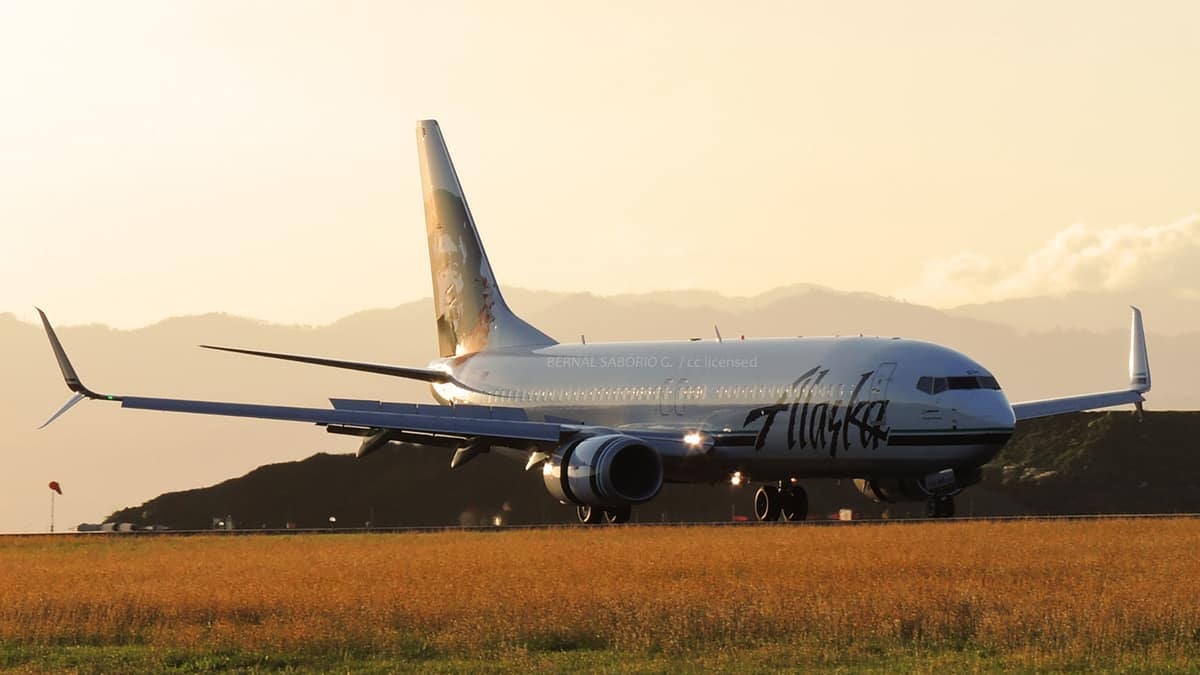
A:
1079,258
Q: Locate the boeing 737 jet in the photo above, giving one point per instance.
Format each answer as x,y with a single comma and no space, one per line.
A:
607,424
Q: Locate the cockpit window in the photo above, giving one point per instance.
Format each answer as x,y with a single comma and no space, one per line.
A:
936,385
989,382
963,382
932,385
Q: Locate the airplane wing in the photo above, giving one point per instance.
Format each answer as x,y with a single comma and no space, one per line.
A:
1139,383
379,423
469,428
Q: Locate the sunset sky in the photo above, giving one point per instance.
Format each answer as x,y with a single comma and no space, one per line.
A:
164,158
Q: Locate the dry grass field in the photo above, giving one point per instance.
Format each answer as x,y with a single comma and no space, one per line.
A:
1119,595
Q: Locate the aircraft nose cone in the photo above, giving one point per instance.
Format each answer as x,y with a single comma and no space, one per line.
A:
1001,415
988,411
995,420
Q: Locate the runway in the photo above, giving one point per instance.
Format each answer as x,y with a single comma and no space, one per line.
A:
497,529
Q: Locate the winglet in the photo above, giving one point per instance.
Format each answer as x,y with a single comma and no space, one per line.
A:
1139,361
68,373
64,363
75,398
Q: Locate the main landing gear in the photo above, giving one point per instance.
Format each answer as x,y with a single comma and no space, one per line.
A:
788,500
591,515
940,507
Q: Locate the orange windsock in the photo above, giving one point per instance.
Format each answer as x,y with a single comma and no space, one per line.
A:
55,486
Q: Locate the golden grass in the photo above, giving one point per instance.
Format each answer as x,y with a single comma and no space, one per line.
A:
1027,589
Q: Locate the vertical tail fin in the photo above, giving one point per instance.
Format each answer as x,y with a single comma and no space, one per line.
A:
471,313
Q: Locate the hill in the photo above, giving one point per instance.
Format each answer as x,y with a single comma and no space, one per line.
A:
1084,463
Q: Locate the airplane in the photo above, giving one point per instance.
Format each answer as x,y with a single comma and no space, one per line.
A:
608,424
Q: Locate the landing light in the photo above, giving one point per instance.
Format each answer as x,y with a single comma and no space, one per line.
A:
736,479
692,438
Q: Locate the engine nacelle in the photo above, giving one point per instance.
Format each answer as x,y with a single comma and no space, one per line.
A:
610,470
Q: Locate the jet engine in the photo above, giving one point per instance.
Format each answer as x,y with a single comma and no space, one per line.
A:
609,470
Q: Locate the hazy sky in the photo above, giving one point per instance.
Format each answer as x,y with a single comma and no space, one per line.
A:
159,158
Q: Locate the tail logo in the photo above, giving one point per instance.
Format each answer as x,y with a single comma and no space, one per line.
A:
464,306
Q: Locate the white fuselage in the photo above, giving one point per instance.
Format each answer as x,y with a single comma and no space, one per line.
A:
786,407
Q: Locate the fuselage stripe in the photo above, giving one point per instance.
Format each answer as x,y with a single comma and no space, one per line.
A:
989,438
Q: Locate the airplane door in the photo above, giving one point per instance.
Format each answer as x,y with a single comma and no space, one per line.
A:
881,379
665,396
681,387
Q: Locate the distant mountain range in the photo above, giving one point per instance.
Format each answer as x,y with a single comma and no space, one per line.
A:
106,458
1170,314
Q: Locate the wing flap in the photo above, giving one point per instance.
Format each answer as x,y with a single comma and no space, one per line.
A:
462,409
452,425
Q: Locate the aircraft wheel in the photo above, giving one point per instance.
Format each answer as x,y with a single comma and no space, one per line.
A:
589,515
795,504
767,503
618,514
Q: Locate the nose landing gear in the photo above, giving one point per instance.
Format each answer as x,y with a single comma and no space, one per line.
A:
940,507
788,500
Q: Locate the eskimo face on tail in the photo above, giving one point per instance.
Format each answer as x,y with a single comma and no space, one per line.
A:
462,280
470,311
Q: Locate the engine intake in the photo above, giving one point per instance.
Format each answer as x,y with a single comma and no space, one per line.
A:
609,470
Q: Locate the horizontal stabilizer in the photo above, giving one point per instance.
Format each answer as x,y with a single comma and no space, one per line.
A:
422,374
